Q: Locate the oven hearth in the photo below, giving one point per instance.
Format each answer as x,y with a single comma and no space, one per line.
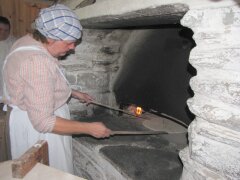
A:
128,156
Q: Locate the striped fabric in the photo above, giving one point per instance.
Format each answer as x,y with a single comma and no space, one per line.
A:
35,84
58,22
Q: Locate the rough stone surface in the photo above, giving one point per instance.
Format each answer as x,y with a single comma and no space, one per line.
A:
223,85
92,67
164,14
211,147
214,141
127,157
193,170
223,59
93,81
78,109
119,7
144,163
215,111
74,63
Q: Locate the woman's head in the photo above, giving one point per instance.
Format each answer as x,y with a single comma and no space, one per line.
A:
4,28
61,28
58,22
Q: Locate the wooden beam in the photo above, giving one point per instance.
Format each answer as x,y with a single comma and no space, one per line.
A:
39,3
37,153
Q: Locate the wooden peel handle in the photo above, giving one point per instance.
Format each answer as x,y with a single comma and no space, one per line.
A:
137,132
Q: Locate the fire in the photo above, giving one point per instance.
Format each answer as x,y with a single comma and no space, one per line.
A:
138,111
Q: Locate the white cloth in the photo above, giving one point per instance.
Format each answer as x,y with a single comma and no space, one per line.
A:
5,47
23,136
59,22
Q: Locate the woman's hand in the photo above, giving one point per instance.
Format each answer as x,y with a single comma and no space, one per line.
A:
82,97
98,130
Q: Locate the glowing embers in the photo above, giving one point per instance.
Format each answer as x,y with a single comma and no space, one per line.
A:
138,111
135,110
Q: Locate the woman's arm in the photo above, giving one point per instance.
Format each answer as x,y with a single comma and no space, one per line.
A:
82,97
96,129
64,126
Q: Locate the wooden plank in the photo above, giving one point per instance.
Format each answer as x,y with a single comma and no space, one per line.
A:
37,153
39,172
33,9
4,135
15,22
1,7
137,132
22,13
39,3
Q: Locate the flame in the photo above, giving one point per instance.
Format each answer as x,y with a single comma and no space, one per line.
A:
138,111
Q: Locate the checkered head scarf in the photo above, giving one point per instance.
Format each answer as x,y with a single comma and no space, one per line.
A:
58,22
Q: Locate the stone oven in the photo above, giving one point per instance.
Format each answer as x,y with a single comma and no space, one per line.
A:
117,37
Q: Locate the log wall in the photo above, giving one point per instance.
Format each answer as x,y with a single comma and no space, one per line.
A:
21,14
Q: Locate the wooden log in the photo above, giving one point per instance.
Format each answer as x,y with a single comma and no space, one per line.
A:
37,153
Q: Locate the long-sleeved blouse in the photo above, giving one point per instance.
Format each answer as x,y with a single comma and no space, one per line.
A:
35,84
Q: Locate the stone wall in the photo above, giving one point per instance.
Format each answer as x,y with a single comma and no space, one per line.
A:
93,65
214,143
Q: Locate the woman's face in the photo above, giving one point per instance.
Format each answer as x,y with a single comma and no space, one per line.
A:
60,48
4,31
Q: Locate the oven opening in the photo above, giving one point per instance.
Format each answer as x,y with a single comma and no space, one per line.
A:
155,72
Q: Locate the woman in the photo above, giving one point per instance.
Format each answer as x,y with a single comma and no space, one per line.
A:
37,90
6,41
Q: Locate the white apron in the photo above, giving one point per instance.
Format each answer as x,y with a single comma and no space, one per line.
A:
23,135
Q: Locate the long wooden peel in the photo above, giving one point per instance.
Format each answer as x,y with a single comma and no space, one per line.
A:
137,132
115,109
174,119
168,117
